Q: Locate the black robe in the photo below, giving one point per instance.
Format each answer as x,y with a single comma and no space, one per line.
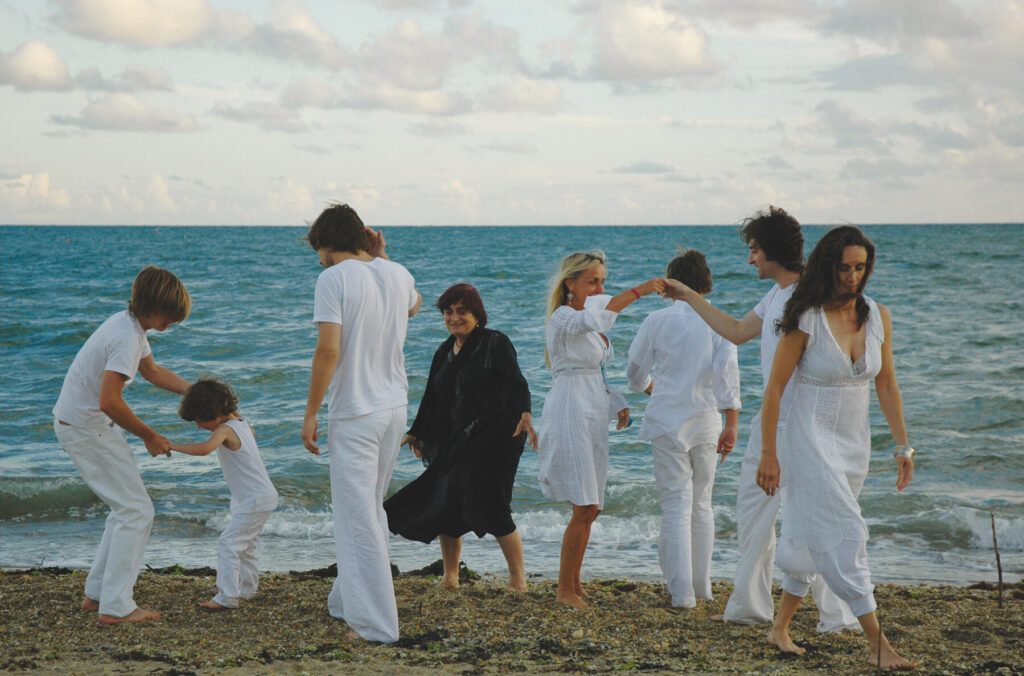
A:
470,408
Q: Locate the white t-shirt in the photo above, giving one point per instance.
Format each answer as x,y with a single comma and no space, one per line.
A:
695,371
770,311
245,473
371,301
118,345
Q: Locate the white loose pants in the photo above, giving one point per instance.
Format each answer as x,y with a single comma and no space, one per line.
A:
756,512
685,477
363,451
106,462
844,569
238,573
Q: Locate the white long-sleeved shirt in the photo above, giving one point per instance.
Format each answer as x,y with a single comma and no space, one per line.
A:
695,370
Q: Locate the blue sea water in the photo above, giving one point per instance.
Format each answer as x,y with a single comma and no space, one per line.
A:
959,348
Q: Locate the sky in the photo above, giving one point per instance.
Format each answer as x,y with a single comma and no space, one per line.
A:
511,112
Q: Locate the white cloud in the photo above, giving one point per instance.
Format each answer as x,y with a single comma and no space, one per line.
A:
645,167
35,66
158,197
290,197
32,193
135,77
373,96
464,197
124,112
642,41
437,128
523,94
290,33
269,115
141,23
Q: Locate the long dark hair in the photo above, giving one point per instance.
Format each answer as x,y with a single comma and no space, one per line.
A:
817,284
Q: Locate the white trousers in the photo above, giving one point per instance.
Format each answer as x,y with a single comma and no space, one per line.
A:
363,451
845,570
238,573
106,462
685,477
751,598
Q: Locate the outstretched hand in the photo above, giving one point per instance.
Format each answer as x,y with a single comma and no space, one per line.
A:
624,419
653,285
676,290
158,445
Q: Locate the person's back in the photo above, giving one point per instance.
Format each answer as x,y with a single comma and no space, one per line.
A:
371,301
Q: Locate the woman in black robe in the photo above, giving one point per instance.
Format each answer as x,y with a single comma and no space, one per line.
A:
470,430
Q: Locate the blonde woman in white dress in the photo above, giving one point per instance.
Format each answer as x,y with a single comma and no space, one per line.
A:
574,427
837,341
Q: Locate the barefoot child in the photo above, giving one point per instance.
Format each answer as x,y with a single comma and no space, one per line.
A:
90,419
213,406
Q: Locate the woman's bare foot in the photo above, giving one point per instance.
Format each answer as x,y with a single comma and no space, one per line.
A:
780,638
571,599
89,606
213,605
581,592
137,615
353,635
449,581
890,659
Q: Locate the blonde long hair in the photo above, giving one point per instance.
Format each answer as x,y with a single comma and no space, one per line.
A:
572,267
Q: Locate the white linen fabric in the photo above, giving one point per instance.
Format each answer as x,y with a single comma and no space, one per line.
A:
751,599
694,370
363,451
245,473
238,573
118,345
106,463
371,301
844,569
685,476
573,435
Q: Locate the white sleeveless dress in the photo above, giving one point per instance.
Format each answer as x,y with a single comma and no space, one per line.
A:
573,435
827,443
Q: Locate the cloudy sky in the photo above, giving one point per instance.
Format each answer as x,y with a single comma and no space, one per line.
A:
498,112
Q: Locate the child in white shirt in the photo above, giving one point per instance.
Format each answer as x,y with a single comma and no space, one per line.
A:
213,406
90,420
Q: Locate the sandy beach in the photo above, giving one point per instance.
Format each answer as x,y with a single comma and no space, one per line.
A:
480,628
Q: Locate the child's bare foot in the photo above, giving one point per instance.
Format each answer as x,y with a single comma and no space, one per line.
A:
780,638
137,615
571,599
213,605
890,659
89,606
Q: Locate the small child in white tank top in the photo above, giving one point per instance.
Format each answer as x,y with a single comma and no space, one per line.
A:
213,406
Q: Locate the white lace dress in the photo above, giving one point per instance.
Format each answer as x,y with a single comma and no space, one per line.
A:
573,444
827,443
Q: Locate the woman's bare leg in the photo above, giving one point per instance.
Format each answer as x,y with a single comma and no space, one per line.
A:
778,635
451,550
574,545
512,547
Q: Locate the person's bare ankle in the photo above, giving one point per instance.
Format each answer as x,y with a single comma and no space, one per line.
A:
137,615
89,605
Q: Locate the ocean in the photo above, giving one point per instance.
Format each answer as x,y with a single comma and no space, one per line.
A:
954,293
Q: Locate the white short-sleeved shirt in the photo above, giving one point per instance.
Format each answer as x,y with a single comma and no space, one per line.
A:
371,301
118,345
770,311
245,473
695,371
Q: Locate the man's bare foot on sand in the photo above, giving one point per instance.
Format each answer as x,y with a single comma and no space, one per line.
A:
717,618
783,642
213,605
90,606
137,615
890,659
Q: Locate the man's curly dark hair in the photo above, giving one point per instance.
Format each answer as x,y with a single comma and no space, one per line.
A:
778,235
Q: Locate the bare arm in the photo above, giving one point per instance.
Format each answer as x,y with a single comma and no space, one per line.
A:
112,404
736,331
620,302
221,436
325,360
416,308
162,377
787,354
891,401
